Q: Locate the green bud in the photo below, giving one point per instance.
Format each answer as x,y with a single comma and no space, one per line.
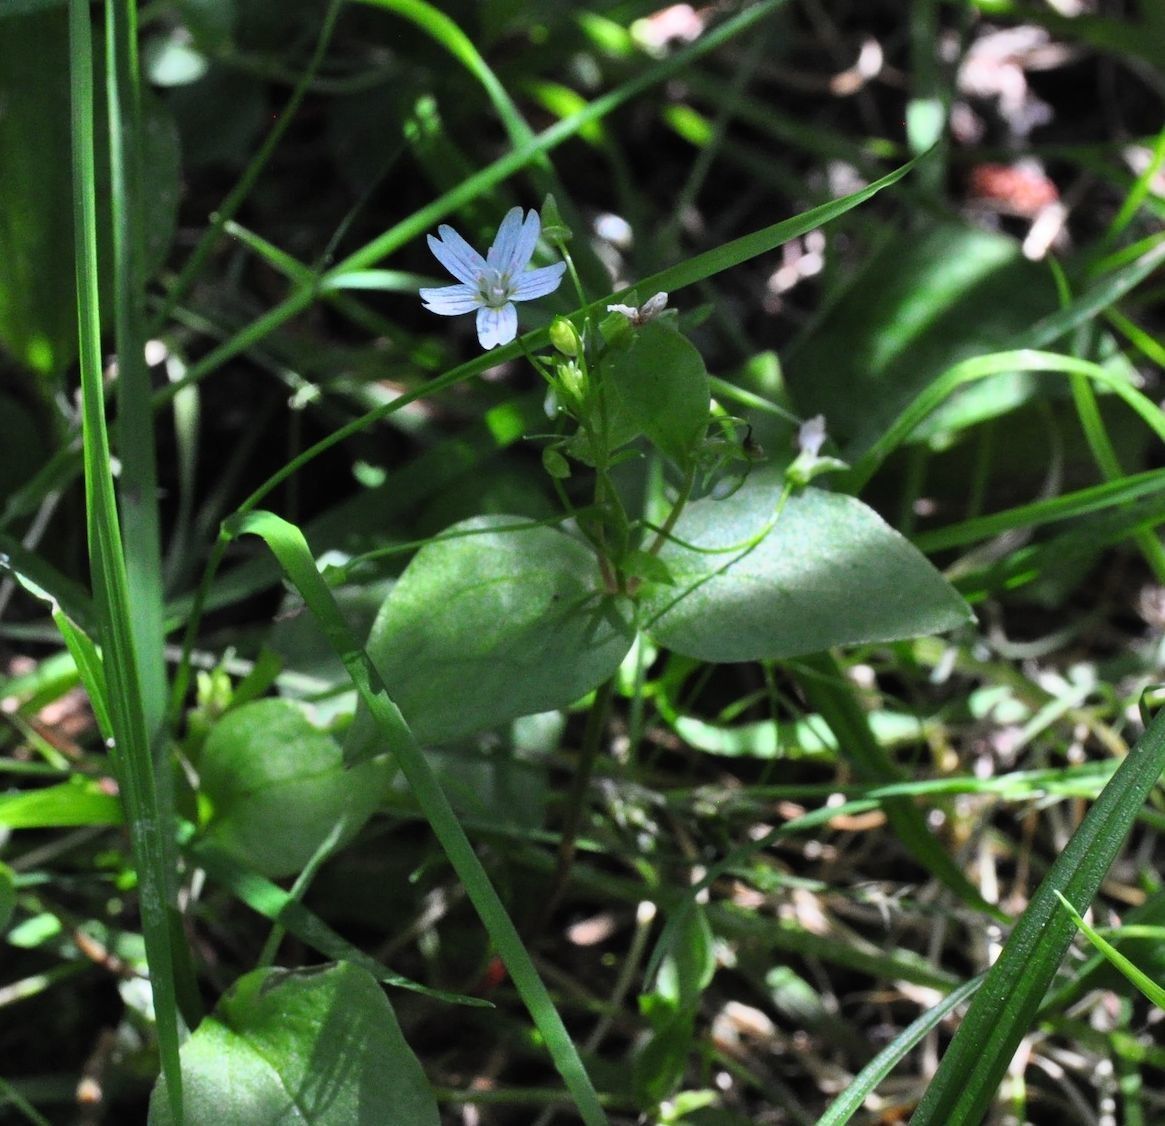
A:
564,336
553,228
573,382
555,464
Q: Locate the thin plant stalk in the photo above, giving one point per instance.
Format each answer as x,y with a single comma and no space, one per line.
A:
130,750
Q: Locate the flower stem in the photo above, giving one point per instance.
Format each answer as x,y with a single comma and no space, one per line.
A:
661,537
560,246
592,738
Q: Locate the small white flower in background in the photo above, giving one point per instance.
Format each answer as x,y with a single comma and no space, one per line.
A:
492,284
650,308
811,436
809,463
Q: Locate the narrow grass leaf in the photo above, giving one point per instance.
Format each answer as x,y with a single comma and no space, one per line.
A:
1136,975
131,752
965,1084
88,661
280,906
1095,498
291,549
850,1101
138,480
79,801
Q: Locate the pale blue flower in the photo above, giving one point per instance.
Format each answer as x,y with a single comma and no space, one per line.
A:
492,284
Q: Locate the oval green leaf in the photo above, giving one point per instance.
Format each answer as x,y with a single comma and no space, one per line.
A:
828,571
319,1046
488,625
661,388
277,787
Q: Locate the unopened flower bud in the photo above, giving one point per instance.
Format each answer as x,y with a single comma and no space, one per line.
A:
572,381
555,464
553,228
564,336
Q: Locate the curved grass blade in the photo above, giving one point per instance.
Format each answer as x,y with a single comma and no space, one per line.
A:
290,548
445,31
962,1089
849,1102
1137,976
283,908
981,367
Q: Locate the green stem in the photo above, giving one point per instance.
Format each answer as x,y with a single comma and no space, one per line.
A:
561,247
668,526
576,801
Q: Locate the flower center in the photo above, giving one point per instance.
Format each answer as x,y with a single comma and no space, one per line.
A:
495,288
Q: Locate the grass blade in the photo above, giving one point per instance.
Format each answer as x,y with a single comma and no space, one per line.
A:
849,1102
291,549
981,367
138,482
130,753
1137,976
1005,1006
1095,498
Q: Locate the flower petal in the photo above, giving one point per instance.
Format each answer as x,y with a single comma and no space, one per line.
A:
514,245
496,326
506,239
451,300
538,283
456,255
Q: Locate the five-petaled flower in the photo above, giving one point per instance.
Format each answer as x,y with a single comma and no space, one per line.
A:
492,284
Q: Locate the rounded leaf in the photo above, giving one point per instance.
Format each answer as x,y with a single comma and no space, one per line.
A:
277,787
319,1046
488,626
828,571
661,387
